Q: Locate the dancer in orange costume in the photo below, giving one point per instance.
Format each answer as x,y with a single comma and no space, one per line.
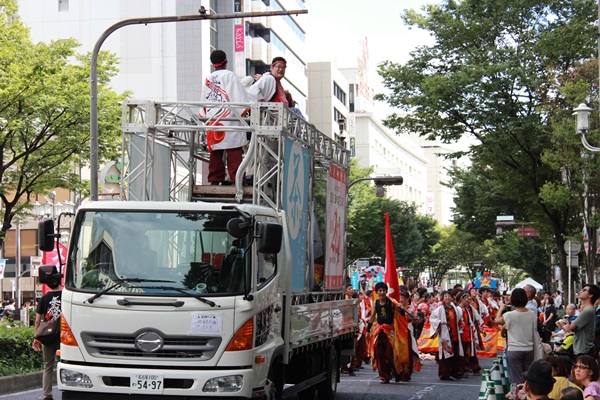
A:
392,344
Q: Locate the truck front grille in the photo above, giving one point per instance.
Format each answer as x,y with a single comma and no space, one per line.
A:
174,347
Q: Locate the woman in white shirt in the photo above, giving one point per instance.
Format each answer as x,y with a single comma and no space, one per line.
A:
520,326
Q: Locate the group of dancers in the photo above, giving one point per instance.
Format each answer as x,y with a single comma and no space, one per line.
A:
389,329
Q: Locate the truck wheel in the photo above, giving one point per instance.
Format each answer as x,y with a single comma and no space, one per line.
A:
275,379
328,387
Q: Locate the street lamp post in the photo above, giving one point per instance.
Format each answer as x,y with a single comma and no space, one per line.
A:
380,182
18,266
582,116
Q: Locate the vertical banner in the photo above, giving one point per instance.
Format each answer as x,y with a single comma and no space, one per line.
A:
336,226
51,258
354,281
295,204
2,267
239,37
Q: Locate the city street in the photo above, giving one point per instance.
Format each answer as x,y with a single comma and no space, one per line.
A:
423,385
365,385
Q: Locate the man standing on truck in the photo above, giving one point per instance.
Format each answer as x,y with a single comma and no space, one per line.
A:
268,87
223,86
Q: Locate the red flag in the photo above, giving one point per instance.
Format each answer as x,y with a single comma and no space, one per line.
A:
51,257
390,276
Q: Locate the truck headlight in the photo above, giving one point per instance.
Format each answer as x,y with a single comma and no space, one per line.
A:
75,379
231,383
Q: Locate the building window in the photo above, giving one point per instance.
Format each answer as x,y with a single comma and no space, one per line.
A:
63,5
339,93
337,115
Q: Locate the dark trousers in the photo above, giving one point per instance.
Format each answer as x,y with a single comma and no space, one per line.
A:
470,361
451,366
384,354
216,165
360,352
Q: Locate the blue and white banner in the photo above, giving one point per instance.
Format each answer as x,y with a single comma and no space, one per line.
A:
295,204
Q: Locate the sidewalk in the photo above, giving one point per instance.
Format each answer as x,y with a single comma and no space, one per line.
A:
18,383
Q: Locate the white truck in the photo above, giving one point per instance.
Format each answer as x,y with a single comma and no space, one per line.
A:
196,291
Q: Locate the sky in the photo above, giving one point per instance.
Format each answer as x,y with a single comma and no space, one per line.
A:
335,28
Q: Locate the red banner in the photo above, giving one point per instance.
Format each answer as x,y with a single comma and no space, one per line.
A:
51,258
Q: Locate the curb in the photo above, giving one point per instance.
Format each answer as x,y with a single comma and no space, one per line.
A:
18,383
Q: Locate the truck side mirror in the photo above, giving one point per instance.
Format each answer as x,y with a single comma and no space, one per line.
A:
46,235
49,274
268,237
237,227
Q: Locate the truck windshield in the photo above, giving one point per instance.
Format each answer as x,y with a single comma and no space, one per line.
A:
189,252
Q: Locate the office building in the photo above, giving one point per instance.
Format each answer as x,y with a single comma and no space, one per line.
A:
167,61
340,104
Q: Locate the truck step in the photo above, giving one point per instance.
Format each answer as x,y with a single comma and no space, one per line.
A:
220,193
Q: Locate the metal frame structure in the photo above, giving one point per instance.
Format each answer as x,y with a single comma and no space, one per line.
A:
203,15
181,127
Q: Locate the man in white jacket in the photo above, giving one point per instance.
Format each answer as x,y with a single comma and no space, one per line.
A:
268,87
445,322
223,86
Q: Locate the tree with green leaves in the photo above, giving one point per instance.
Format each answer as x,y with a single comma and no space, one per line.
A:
524,253
44,116
431,234
457,249
479,199
492,74
413,235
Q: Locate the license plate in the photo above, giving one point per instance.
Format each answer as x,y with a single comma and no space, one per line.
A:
146,383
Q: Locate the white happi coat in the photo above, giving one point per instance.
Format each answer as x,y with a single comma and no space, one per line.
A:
483,310
437,317
362,319
475,322
223,86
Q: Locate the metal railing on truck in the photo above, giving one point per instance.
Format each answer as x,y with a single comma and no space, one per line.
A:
155,133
